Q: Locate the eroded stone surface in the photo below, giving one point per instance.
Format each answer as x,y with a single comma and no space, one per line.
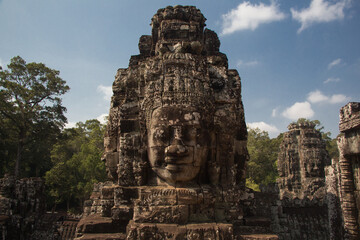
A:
176,114
301,163
175,146
22,202
349,162
302,211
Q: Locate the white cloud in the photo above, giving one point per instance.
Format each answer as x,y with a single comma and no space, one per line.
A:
332,80
106,90
319,11
103,118
299,110
264,127
247,64
247,16
334,63
274,112
339,98
70,125
318,97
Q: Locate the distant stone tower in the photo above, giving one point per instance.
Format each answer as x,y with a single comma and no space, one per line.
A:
302,211
301,163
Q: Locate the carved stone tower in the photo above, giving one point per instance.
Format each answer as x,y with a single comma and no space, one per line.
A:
301,163
303,208
175,146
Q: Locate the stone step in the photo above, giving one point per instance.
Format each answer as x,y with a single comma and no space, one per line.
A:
67,229
102,236
258,237
97,224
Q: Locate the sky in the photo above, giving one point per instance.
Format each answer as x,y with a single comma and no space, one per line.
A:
296,59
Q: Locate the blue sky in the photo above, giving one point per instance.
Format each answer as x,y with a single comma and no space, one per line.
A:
295,58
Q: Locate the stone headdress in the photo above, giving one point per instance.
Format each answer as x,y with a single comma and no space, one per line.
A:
179,64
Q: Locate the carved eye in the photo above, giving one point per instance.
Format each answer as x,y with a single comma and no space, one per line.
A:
191,134
160,134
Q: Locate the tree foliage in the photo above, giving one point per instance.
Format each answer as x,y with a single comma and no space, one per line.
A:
263,151
77,163
31,113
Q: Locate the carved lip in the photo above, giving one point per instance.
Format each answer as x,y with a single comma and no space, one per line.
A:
175,167
177,160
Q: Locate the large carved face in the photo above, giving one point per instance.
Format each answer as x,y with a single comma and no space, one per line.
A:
177,143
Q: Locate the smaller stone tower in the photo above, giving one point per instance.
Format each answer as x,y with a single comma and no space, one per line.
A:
303,209
301,163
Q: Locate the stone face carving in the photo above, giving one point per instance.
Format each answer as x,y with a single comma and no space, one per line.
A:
177,143
175,146
303,207
176,114
301,163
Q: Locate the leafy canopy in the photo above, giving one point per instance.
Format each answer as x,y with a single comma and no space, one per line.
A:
30,103
263,151
77,163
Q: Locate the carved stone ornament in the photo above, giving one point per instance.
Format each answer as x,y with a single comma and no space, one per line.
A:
175,145
176,115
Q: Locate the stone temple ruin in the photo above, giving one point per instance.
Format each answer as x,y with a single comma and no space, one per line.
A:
303,211
175,147
301,163
175,154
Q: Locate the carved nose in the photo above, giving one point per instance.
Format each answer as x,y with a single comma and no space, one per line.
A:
176,148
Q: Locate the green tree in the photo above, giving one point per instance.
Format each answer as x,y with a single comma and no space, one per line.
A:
332,148
77,163
7,146
30,104
263,151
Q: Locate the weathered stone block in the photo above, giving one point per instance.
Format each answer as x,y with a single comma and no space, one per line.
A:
122,213
125,195
178,214
189,196
177,121
154,196
107,192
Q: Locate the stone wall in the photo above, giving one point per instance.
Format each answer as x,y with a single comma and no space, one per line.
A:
22,203
349,161
333,182
23,213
